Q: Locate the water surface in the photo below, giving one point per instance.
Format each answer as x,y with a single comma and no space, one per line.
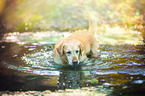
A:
118,71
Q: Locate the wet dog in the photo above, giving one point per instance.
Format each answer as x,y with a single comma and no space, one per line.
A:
75,48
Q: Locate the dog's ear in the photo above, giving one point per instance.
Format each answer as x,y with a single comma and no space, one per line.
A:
60,49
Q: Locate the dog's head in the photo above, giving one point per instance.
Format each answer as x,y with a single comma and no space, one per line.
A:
71,51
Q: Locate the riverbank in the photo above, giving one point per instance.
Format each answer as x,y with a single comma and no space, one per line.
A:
114,35
68,92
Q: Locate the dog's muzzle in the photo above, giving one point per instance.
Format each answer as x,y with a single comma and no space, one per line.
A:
75,62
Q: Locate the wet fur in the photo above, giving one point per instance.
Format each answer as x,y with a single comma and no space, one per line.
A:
83,41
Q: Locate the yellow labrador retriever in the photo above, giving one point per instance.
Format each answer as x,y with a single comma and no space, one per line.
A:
75,48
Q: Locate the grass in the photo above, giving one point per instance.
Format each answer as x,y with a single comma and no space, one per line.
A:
110,35
118,35
34,37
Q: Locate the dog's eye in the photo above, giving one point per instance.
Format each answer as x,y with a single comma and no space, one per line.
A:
68,52
77,51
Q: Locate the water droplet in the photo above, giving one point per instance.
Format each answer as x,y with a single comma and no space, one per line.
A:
138,81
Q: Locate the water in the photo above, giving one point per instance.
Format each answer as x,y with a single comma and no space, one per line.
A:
118,71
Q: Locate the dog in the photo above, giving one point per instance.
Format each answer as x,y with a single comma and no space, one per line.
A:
76,48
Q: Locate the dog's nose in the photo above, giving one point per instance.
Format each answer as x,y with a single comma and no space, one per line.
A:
75,62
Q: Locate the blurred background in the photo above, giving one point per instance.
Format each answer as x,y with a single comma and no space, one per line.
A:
70,15
29,29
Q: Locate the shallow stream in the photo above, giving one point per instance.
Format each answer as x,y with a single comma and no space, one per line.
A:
120,69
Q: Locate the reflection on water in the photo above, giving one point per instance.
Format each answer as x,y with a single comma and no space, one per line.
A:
70,80
119,70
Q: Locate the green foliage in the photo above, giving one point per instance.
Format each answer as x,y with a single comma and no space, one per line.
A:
64,15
